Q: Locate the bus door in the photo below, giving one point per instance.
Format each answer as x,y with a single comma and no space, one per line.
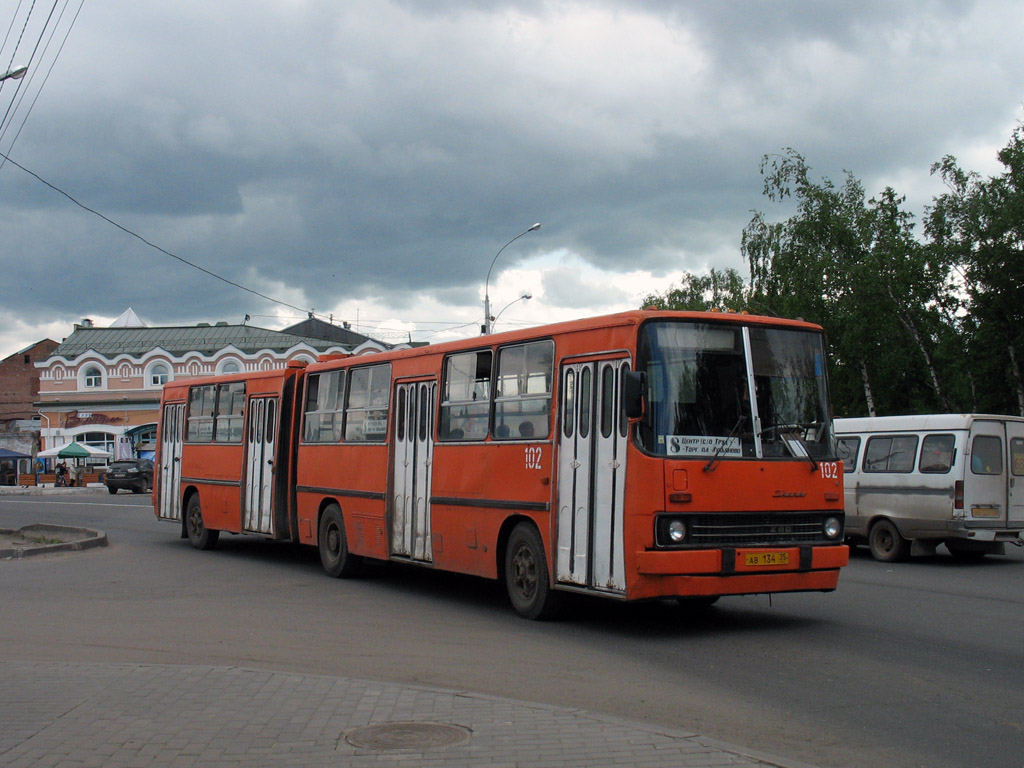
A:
412,459
985,483
1015,440
591,475
260,444
172,425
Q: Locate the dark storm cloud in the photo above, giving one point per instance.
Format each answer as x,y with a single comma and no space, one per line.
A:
321,151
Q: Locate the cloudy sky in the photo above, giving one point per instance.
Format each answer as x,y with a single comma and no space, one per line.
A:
366,159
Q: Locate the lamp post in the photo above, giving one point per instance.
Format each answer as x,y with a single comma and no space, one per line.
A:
524,297
15,74
487,298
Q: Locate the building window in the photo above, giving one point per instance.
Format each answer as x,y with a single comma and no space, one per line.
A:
159,375
103,440
93,377
231,366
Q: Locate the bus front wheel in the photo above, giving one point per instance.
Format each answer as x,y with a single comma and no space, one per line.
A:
199,536
334,555
886,543
526,574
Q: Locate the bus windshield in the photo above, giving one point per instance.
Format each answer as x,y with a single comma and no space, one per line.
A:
724,391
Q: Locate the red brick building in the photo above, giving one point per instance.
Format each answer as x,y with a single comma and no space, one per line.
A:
19,385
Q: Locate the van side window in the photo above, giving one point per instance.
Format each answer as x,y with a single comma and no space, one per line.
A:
936,454
890,454
848,447
987,455
1017,456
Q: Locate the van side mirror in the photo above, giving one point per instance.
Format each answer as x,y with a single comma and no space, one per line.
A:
634,386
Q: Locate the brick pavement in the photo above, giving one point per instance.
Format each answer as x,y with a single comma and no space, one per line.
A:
63,715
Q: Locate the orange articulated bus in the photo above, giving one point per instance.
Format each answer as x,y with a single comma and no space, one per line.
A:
639,455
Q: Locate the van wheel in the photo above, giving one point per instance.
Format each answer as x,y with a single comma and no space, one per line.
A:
526,575
199,536
334,555
887,546
111,489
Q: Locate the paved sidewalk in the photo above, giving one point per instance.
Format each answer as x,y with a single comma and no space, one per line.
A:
57,715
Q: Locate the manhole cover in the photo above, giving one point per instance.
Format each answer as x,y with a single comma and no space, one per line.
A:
417,736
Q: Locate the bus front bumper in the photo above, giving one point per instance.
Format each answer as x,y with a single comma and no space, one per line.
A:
739,571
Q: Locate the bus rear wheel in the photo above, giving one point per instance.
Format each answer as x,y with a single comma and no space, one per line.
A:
199,536
526,574
334,555
886,543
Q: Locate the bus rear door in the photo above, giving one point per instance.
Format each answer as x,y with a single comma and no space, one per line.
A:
412,459
261,443
591,475
171,441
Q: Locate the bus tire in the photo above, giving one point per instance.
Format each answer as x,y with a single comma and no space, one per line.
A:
337,561
199,536
886,543
526,574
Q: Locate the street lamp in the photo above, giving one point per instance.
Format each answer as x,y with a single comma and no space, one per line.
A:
524,297
15,74
487,298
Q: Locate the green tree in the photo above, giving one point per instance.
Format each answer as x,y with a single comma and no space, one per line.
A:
853,266
722,290
979,224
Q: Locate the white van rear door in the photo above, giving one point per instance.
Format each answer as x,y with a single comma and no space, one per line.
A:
985,477
1015,440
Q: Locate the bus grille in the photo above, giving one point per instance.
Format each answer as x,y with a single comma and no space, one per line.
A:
755,529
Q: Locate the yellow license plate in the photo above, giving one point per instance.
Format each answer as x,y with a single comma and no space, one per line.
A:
985,511
766,558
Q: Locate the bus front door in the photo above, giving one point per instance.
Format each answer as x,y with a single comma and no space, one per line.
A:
172,426
591,475
413,457
260,443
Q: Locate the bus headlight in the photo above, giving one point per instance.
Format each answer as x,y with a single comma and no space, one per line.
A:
677,531
832,528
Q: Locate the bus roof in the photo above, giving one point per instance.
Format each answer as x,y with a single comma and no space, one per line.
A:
632,317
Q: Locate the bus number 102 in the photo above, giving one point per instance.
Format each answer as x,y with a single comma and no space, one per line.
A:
534,453
830,470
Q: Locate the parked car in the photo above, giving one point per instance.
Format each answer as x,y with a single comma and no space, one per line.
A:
134,474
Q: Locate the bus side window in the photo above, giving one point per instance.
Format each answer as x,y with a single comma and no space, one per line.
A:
848,447
366,417
890,454
936,454
466,396
202,402
522,398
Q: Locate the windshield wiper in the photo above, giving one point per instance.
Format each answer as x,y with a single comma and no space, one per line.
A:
718,451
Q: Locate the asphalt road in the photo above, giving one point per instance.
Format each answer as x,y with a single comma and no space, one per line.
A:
914,664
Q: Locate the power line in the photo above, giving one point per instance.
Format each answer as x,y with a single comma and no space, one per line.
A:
152,245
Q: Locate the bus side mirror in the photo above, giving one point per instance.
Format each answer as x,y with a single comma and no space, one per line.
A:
633,387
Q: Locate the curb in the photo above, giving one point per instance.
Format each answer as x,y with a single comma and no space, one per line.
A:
83,539
35,490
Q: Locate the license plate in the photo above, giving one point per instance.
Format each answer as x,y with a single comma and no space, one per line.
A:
766,558
985,511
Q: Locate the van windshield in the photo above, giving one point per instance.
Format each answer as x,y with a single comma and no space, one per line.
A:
724,391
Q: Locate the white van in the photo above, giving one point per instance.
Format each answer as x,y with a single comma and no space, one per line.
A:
914,482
